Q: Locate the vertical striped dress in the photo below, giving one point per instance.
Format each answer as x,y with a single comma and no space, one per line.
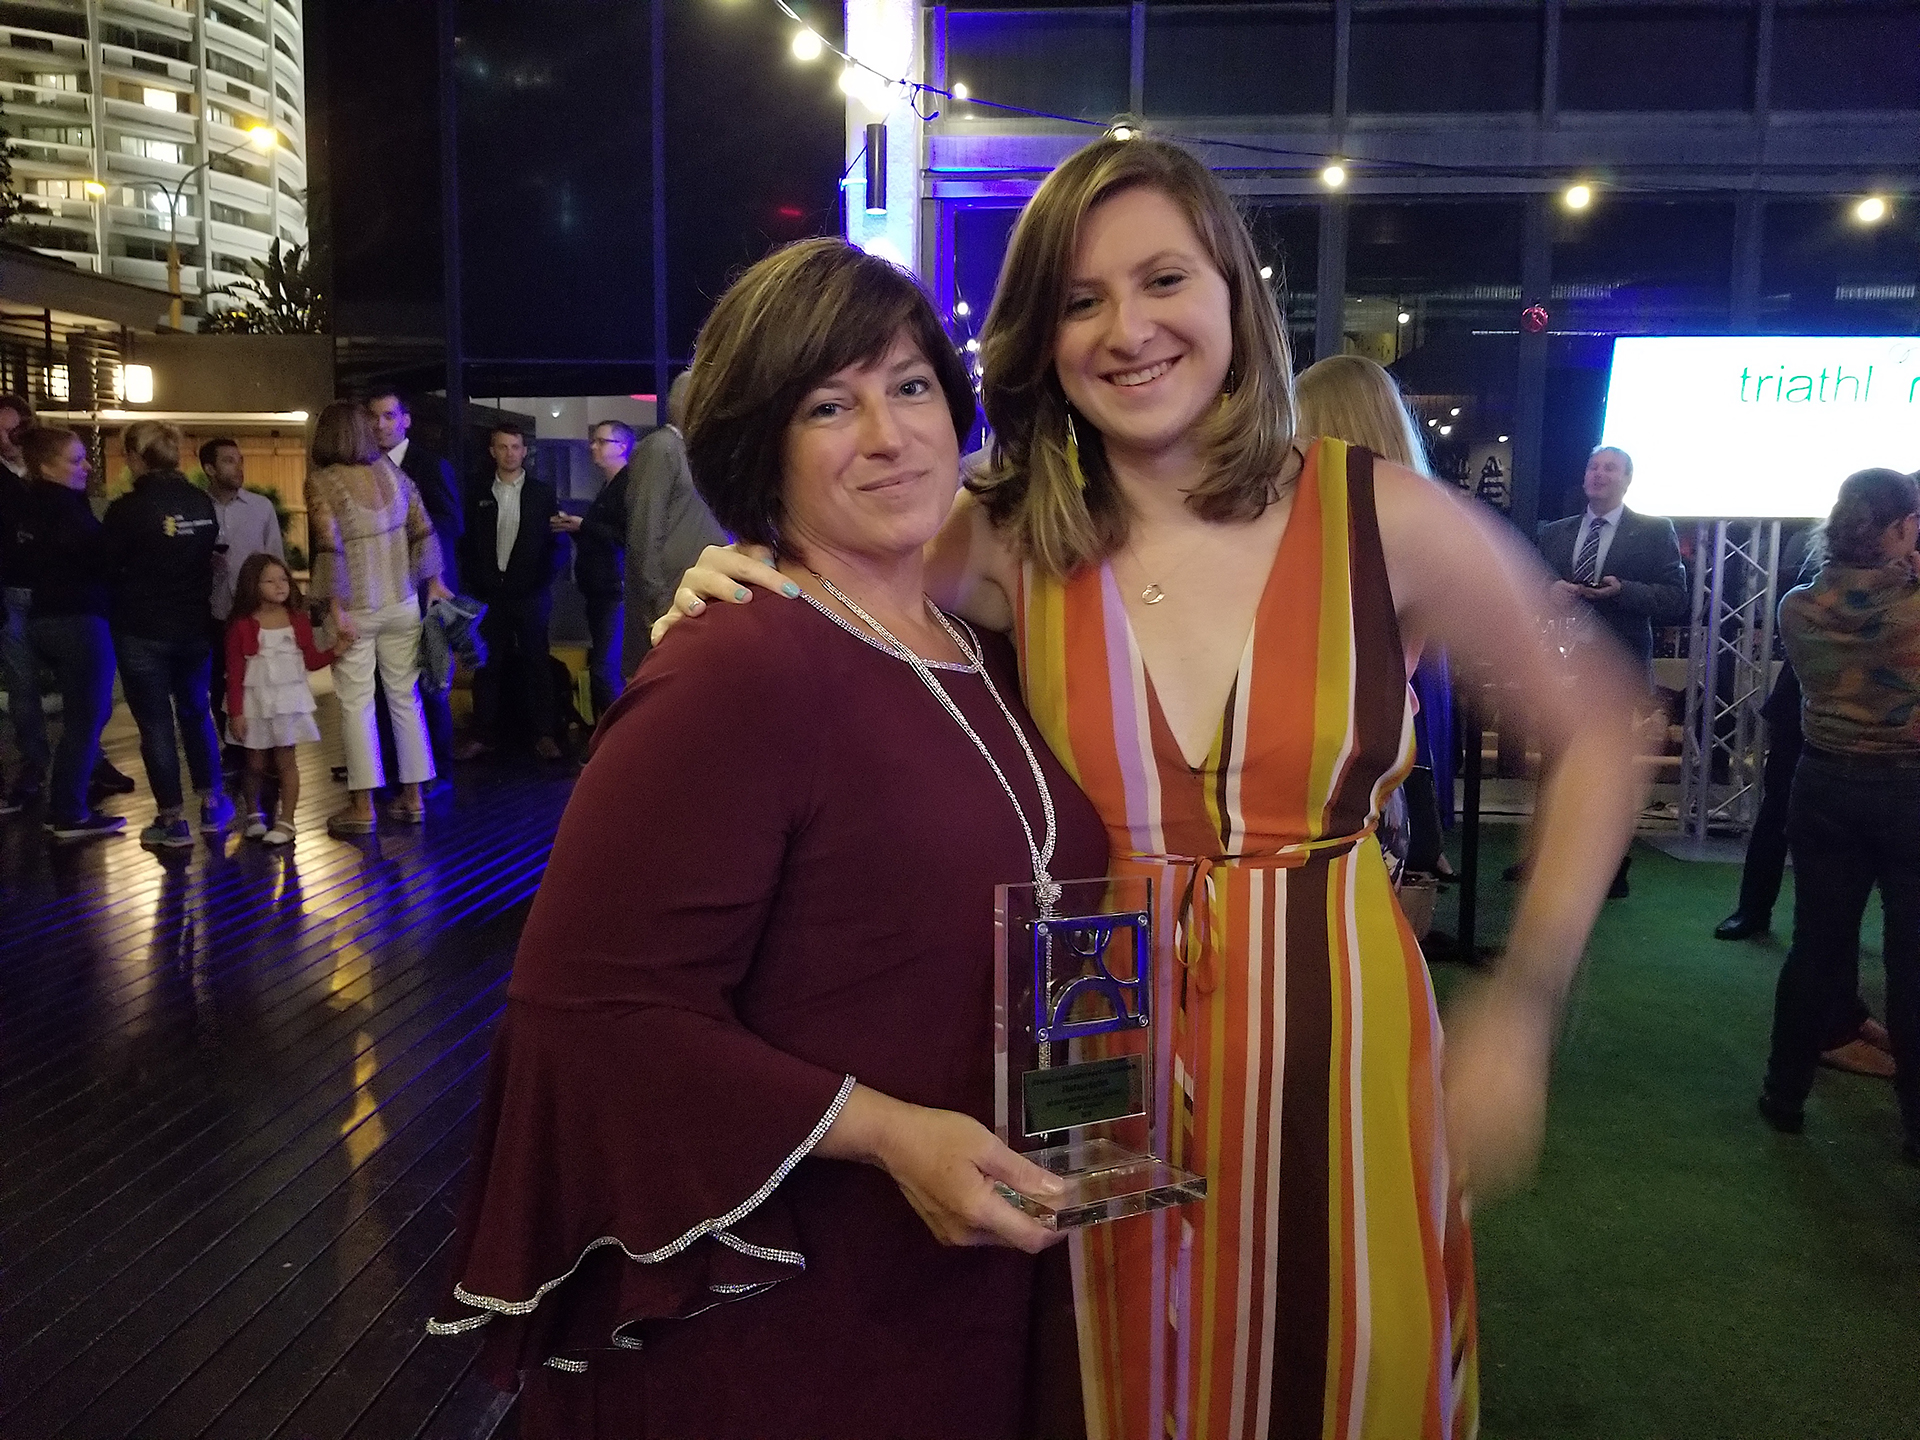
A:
1324,1290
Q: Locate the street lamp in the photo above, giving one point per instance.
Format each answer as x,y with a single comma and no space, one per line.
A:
263,138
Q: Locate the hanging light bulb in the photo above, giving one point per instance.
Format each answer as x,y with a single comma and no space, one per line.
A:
806,45
1578,197
1871,211
960,91
1335,175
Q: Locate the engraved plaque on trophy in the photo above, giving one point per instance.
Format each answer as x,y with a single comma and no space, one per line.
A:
1074,1050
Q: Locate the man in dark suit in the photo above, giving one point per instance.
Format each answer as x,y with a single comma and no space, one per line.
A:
433,477
510,553
432,474
1625,568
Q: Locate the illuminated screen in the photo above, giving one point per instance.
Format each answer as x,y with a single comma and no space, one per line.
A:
1760,426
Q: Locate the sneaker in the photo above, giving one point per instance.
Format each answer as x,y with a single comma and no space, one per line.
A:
174,834
87,827
11,805
256,828
21,797
216,813
280,834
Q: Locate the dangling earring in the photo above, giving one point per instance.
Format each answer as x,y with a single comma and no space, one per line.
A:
1073,456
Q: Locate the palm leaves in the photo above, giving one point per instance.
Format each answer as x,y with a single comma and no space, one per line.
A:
277,297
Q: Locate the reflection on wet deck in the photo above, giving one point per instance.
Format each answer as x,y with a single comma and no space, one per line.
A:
236,1096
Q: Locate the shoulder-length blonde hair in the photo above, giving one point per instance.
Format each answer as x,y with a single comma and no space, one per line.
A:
1351,398
1029,487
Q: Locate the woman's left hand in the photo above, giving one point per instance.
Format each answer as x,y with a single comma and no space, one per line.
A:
1499,1051
437,591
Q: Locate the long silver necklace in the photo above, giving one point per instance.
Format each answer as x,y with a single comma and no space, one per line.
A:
1047,890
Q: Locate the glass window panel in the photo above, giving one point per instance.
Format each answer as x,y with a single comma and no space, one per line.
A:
980,235
1620,57
1417,60
1064,63
1636,265
1847,57
1822,270
1209,63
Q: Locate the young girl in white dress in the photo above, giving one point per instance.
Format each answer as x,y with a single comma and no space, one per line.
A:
270,648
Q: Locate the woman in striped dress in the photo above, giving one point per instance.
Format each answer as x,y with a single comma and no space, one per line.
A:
1215,625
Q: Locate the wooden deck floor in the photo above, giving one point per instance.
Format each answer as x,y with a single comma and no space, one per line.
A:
236,1098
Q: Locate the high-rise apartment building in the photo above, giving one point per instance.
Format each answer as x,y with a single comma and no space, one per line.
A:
113,104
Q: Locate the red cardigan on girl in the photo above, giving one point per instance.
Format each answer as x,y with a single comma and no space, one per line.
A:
243,639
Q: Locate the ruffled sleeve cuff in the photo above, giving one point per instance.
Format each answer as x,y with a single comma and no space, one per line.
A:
602,1199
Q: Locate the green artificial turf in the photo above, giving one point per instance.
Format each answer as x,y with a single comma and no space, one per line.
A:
1677,1271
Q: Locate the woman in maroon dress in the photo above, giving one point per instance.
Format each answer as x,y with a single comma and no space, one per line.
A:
734,1177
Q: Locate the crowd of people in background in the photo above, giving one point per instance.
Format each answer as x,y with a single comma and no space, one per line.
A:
182,589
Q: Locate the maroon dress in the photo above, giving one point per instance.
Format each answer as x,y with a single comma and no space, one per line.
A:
776,873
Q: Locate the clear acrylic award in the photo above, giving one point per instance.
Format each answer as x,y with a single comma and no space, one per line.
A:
1074,1050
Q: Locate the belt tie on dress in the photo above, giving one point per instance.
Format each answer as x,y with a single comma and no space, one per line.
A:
1195,944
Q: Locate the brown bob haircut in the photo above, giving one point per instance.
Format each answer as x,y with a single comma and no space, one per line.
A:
42,445
343,435
1246,441
156,443
793,320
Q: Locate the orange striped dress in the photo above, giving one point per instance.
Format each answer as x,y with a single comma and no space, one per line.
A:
1324,1290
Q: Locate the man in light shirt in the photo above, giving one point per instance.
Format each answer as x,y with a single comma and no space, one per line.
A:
509,555
248,526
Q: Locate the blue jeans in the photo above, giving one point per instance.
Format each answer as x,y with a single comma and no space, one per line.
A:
20,675
165,678
79,649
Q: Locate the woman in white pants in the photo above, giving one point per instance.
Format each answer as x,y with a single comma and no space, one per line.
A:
373,547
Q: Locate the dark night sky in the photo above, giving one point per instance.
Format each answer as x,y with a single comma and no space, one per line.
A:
556,227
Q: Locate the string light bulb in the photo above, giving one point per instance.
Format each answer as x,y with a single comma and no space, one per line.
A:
806,45
1335,175
1122,132
1446,429
1456,412
962,309
1871,211
960,91
1578,197
1266,272
1404,316
93,188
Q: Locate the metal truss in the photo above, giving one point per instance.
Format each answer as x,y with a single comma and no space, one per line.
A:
1729,670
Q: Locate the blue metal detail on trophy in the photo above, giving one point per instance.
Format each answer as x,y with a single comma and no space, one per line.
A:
1086,941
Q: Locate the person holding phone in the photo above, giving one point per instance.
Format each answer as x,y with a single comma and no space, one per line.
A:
1623,565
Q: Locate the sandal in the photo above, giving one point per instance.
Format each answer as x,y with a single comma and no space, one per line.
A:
346,825
406,814
281,834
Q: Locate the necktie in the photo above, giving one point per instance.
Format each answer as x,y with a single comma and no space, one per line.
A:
1586,569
